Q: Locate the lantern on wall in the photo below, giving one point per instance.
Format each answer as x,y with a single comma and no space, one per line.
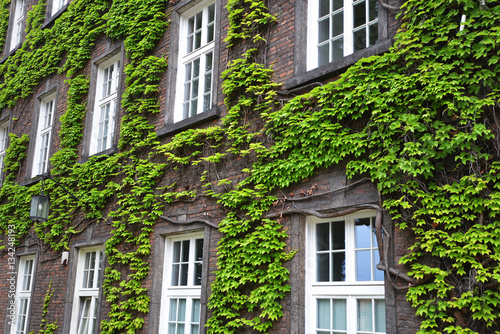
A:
39,207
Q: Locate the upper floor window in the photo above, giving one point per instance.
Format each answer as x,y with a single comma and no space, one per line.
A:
23,294
181,296
87,284
345,290
196,60
57,4
43,135
17,23
338,28
4,144
106,98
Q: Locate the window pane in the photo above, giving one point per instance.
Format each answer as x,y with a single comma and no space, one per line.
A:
337,4
324,30
199,249
362,233
210,33
324,313
322,236
172,310
197,273
378,274
363,265
380,315
337,24
324,7
195,315
373,10
365,315
338,267
211,13
359,40
337,49
177,251
184,274
359,14
373,30
323,263
323,55
339,314
181,313
338,235
175,275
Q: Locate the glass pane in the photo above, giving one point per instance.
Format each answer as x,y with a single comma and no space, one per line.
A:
322,234
380,315
208,62
338,235
197,273
323,55
208,82
190,44
187,91
337,4
365,315
210,33
323,321
324,30
173,310
197,40
181,313
339,314
191,25
337,24
198,20
211,13
195,329
363,265
338,267
194,90
171,328
184,274
373,30
175,275
323,263
372,10
195,315
378,274
194,107
180,329
324,7
177,251
337,49
199,249
359,14
359,40
185,251
362,233
206,102
188,72
196,68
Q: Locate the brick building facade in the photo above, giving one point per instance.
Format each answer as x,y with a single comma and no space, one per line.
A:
184,242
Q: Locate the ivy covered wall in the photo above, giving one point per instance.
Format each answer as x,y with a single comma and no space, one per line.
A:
419,121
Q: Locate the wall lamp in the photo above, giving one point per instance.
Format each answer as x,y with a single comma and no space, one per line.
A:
40,203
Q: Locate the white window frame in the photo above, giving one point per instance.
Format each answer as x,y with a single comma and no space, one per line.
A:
348,29
4,144
350,290
190,293
105,105
56,5
25,277
17,23
86,298
43,139
205,93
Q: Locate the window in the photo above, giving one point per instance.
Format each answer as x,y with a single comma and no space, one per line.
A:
345,291
58,4
338,28
23,294
103,121
196,60
87,284
181,294
43,136
17,23
4,143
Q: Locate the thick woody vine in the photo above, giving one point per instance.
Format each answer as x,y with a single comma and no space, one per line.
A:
420,121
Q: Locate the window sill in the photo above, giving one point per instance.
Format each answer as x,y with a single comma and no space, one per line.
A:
170,129
109,151
336,67
10,53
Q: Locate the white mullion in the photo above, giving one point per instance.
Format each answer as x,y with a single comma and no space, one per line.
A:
348,27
